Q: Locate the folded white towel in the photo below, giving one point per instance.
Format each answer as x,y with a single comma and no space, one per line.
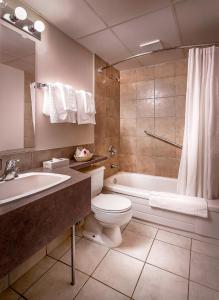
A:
179,203
60,103
86,108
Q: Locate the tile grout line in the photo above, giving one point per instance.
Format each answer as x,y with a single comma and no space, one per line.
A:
19,294
144,265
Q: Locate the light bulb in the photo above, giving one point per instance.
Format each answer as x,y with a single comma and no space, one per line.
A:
39,26
20,13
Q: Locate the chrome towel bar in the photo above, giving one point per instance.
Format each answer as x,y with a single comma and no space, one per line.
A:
163,139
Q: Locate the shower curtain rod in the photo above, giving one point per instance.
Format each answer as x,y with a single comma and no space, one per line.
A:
100,69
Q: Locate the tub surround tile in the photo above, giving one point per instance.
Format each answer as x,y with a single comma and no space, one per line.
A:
145,146
128,91
174,239
170,258
128,127
145,89
205,270
135,245
159,106
158,284
55,284
199,292
165,107
114,271
145,108
128,145
88,255
93,289
127,162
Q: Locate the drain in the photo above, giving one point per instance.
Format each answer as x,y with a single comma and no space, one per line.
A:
114,180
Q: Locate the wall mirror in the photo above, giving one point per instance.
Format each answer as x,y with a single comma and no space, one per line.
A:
17,72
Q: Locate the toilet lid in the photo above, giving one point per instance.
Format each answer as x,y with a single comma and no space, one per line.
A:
111,203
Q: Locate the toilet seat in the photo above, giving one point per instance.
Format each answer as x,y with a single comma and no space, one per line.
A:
110,203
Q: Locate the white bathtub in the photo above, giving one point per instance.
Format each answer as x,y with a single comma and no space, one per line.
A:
137,187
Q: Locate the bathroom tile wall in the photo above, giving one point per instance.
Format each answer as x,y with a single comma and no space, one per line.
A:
107,95
152,98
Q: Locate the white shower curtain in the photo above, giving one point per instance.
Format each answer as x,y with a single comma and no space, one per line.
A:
199,166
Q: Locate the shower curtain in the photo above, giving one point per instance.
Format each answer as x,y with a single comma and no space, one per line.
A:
199,166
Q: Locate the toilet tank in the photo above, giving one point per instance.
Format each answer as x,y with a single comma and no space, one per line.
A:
97,176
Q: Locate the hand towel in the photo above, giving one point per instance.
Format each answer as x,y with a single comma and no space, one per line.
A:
84,104
33,103
179,203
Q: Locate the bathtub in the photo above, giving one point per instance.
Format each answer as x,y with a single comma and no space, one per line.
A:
137,187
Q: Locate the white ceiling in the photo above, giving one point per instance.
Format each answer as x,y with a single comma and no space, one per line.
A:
113,29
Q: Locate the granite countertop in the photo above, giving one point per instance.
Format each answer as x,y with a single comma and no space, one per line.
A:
70,170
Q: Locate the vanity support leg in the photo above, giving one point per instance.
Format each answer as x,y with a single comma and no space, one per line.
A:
73,255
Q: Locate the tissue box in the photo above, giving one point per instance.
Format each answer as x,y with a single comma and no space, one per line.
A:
56,163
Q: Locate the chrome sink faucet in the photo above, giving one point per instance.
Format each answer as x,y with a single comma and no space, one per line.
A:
11,170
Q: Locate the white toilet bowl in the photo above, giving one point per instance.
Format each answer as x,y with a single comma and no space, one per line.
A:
109,213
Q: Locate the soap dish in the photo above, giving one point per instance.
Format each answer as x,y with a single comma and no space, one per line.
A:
84,158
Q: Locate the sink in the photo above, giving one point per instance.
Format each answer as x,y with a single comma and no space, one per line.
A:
28,184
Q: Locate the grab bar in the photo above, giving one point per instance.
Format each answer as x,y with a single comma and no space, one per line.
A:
163,139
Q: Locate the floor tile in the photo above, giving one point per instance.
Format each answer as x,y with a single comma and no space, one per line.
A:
205,270
170,258
199,292
135,245
59,251
157,284
23,283
119,271
55,285
9,295
88,256
174,239
205,248
142,229
95,290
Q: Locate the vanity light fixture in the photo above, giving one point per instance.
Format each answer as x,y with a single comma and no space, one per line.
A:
37,26
18,18
19,14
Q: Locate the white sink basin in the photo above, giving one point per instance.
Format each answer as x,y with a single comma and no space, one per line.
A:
28,184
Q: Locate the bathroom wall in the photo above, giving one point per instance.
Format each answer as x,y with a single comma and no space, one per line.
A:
152,98
59,58
107,94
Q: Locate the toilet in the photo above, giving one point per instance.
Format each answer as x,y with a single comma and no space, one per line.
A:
109,212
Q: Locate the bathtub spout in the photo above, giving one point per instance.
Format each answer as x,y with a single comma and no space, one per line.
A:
114,166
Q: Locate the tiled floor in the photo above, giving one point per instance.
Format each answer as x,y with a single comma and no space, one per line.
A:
153,262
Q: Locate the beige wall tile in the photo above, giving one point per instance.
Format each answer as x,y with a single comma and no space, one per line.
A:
145,73
163,149
100,103
164,87
167,167
128,145
145,108
128,127
145,146
128,91
100,128
128,76
180,102
165,127
165,70
181,67
180,129
127,162
145,89
144,124
145,164
180,82
165,107
128,108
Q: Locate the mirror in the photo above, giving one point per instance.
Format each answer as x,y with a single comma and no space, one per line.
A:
17,72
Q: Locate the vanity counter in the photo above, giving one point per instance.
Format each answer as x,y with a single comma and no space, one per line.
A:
29,223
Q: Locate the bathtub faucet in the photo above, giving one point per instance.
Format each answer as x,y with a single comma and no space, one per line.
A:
114,166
